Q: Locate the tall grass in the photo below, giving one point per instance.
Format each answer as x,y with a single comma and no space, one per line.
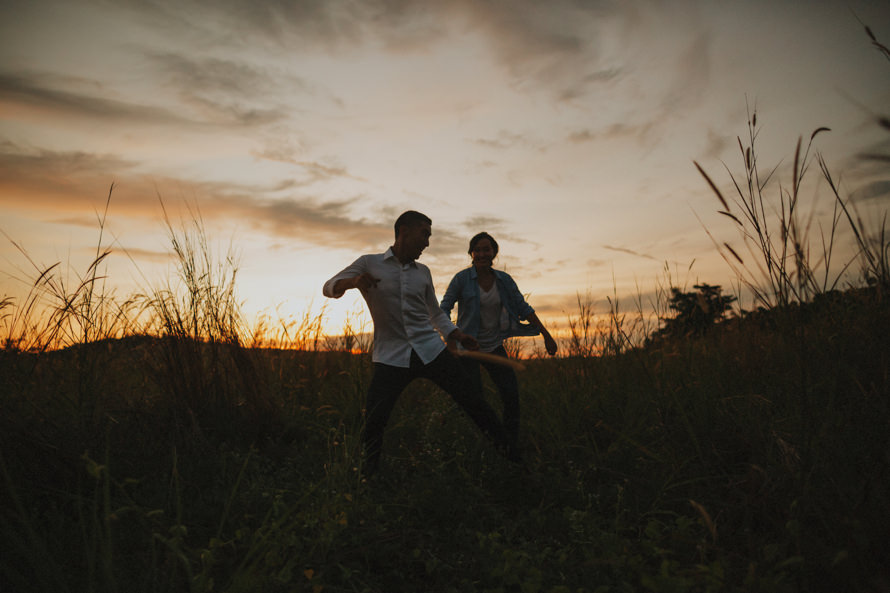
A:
614,330
787,265
211,378
156,387
60,311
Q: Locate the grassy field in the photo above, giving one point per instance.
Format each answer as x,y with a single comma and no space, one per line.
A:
156,444
752,458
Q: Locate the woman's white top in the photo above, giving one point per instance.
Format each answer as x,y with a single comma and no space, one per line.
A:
490,312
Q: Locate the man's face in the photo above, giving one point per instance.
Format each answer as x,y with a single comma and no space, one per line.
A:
416,238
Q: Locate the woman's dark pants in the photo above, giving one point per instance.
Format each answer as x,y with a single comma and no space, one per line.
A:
505,380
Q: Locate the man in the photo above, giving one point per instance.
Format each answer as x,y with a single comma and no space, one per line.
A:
407,326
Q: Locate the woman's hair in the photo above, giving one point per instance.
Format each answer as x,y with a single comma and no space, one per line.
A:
479,237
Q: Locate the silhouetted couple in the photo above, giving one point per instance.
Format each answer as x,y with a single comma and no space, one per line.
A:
410,324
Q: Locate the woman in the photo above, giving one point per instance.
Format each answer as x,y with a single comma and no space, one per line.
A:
491,308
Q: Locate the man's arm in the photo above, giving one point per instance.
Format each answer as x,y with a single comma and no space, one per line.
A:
355,275
363,281
465,339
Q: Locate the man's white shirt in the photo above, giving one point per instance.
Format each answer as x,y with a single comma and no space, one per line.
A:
403,306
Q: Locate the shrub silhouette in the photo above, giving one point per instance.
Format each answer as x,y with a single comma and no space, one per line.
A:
696,312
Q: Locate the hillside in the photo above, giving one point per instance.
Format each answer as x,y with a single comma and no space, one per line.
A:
751,458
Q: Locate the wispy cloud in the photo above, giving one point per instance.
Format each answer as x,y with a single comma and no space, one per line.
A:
44,92
506,139
553,44
563,48
228,90
484,222
613,131
47,179
230,77
581,136
630,252
691,73
73,182
315,171
326,223
715,144
872,191
205,102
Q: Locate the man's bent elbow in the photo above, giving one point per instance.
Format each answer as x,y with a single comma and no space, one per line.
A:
333,290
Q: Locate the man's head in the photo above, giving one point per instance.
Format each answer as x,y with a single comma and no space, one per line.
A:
410,218
413,231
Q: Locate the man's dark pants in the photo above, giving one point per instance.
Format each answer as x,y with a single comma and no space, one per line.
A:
446,372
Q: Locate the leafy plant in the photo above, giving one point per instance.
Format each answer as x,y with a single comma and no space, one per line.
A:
695,312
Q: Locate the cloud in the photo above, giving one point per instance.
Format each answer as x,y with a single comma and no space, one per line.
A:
302,219
614,131
234,113
872,191
43,92
137,253
220,88
45,179
49,93
553,43
715,145
72,183
581,136
688,85
230,77
482,222
564,48
326,223
506,140
571,92
630,252
286,25
315,171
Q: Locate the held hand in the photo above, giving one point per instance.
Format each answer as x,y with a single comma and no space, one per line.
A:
468,341
550,344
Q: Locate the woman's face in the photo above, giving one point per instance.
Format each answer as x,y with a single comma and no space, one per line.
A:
482,253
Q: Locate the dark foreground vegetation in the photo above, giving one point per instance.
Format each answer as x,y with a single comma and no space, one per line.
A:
752,458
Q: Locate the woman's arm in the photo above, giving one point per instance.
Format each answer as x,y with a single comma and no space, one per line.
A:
518,304
526,312
451,294
549,342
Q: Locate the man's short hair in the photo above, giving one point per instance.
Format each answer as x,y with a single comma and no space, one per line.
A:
410,217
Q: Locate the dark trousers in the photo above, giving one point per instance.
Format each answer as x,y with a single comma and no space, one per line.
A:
505,380
446,372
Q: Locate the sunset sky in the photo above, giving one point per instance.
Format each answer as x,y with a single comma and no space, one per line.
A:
300,130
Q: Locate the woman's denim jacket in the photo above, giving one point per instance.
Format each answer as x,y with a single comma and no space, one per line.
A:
464,290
